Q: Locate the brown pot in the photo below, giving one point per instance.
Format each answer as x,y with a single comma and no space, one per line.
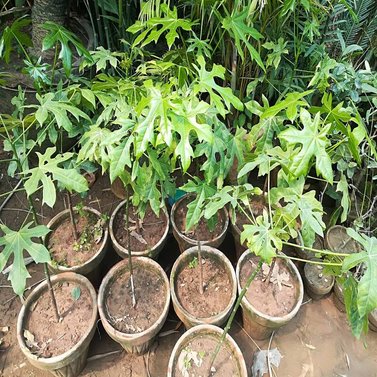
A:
72,362
138,343
317,285
185,242
212,332
90,268
123,252
260,325
183,260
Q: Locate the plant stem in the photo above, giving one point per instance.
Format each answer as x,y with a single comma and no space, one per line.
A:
234,311
72,217
51,290
327,252
310,261
35,218
201,283
129,249
268,277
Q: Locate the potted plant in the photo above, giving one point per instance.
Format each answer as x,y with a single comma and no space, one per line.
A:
203,286
48,302
193,354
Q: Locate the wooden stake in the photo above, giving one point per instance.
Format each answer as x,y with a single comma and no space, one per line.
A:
129,249
72,217
201,282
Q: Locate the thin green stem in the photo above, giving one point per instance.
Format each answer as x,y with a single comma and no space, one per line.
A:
310,261
327,252
234,311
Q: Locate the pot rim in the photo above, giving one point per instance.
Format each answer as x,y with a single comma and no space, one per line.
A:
61,216
191,240
41,288
207,329
282,319
103,290
229,269
140,253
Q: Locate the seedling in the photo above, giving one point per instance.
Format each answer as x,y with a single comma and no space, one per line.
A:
193,263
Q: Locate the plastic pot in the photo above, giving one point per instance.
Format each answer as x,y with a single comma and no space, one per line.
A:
151,253
185,242
213,333
138,343
338,297
236,233
90,268
260,325
72,362
188,319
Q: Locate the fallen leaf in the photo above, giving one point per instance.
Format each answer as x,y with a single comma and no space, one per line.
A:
310,346
139,237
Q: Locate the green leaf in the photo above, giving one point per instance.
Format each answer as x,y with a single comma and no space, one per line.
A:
76,293
14,33
367,292
48,170
289,103
16,242
60,35
120,158
236,25
313,140
195,209
59,110
155,27
206,83
262,238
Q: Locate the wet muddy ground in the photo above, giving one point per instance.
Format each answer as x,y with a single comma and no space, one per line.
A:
317,343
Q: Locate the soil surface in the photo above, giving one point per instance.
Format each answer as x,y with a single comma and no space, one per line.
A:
145,233
150,295
66,250
195,359
200,231
340,242
217,288
276,298
44,335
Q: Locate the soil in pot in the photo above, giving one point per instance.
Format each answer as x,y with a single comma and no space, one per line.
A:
145,233
150,300
44,335
201,231
339,241
217,291
195,359
64,248
275,298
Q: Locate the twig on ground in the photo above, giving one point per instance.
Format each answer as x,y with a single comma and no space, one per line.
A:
268,354
102,355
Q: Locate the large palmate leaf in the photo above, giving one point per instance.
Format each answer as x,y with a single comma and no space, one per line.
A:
219,95
307,206
58,110
195,209
186,121
60,35
238,29
263,238
367,286
14,33
313,140
47,171
155,27
16,242
289,104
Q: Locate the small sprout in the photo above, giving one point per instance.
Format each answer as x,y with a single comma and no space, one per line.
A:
193,263
76,293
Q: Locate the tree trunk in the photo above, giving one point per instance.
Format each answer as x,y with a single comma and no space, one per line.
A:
46,10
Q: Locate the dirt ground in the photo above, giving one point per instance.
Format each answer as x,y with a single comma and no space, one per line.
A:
317,343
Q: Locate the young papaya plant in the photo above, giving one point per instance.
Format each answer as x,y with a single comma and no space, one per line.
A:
42,178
